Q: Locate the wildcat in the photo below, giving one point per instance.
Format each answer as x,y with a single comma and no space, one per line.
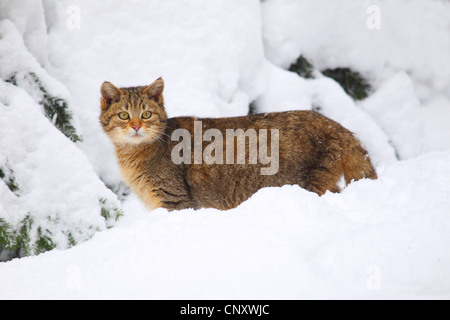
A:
313,152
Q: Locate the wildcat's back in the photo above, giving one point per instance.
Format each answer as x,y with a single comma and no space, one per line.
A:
313,152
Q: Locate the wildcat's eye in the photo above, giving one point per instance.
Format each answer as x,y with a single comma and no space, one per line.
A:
124,115
146,115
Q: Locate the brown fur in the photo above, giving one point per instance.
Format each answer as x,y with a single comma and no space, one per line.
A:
314,153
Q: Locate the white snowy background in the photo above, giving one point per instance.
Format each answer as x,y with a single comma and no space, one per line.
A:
388,238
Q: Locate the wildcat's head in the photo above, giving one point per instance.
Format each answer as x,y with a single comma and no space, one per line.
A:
133,115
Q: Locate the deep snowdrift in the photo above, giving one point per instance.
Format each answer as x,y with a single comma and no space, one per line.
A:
378,239
387,238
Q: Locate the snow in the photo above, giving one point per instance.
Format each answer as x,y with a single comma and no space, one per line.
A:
396,102
28,17
413,37
299,246
379,239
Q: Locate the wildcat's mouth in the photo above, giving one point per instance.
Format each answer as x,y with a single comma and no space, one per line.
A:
141,136
133,137
137,136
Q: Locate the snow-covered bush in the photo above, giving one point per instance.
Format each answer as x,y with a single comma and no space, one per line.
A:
50,196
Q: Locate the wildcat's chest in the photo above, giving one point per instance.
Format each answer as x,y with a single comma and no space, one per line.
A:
138,181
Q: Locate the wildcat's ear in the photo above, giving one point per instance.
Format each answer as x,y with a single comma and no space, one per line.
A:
155,90
110,93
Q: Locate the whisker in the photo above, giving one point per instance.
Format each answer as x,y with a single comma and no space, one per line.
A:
159,140
161,132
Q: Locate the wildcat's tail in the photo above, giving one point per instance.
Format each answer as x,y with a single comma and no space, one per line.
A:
356,164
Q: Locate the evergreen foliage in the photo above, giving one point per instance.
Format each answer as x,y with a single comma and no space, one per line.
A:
25,239
71,240
16,239
12,80
7,175
56,109
44,242
351,81
110,213
6,240
252,109
303,68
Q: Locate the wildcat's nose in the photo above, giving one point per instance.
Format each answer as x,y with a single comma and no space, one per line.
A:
136,127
